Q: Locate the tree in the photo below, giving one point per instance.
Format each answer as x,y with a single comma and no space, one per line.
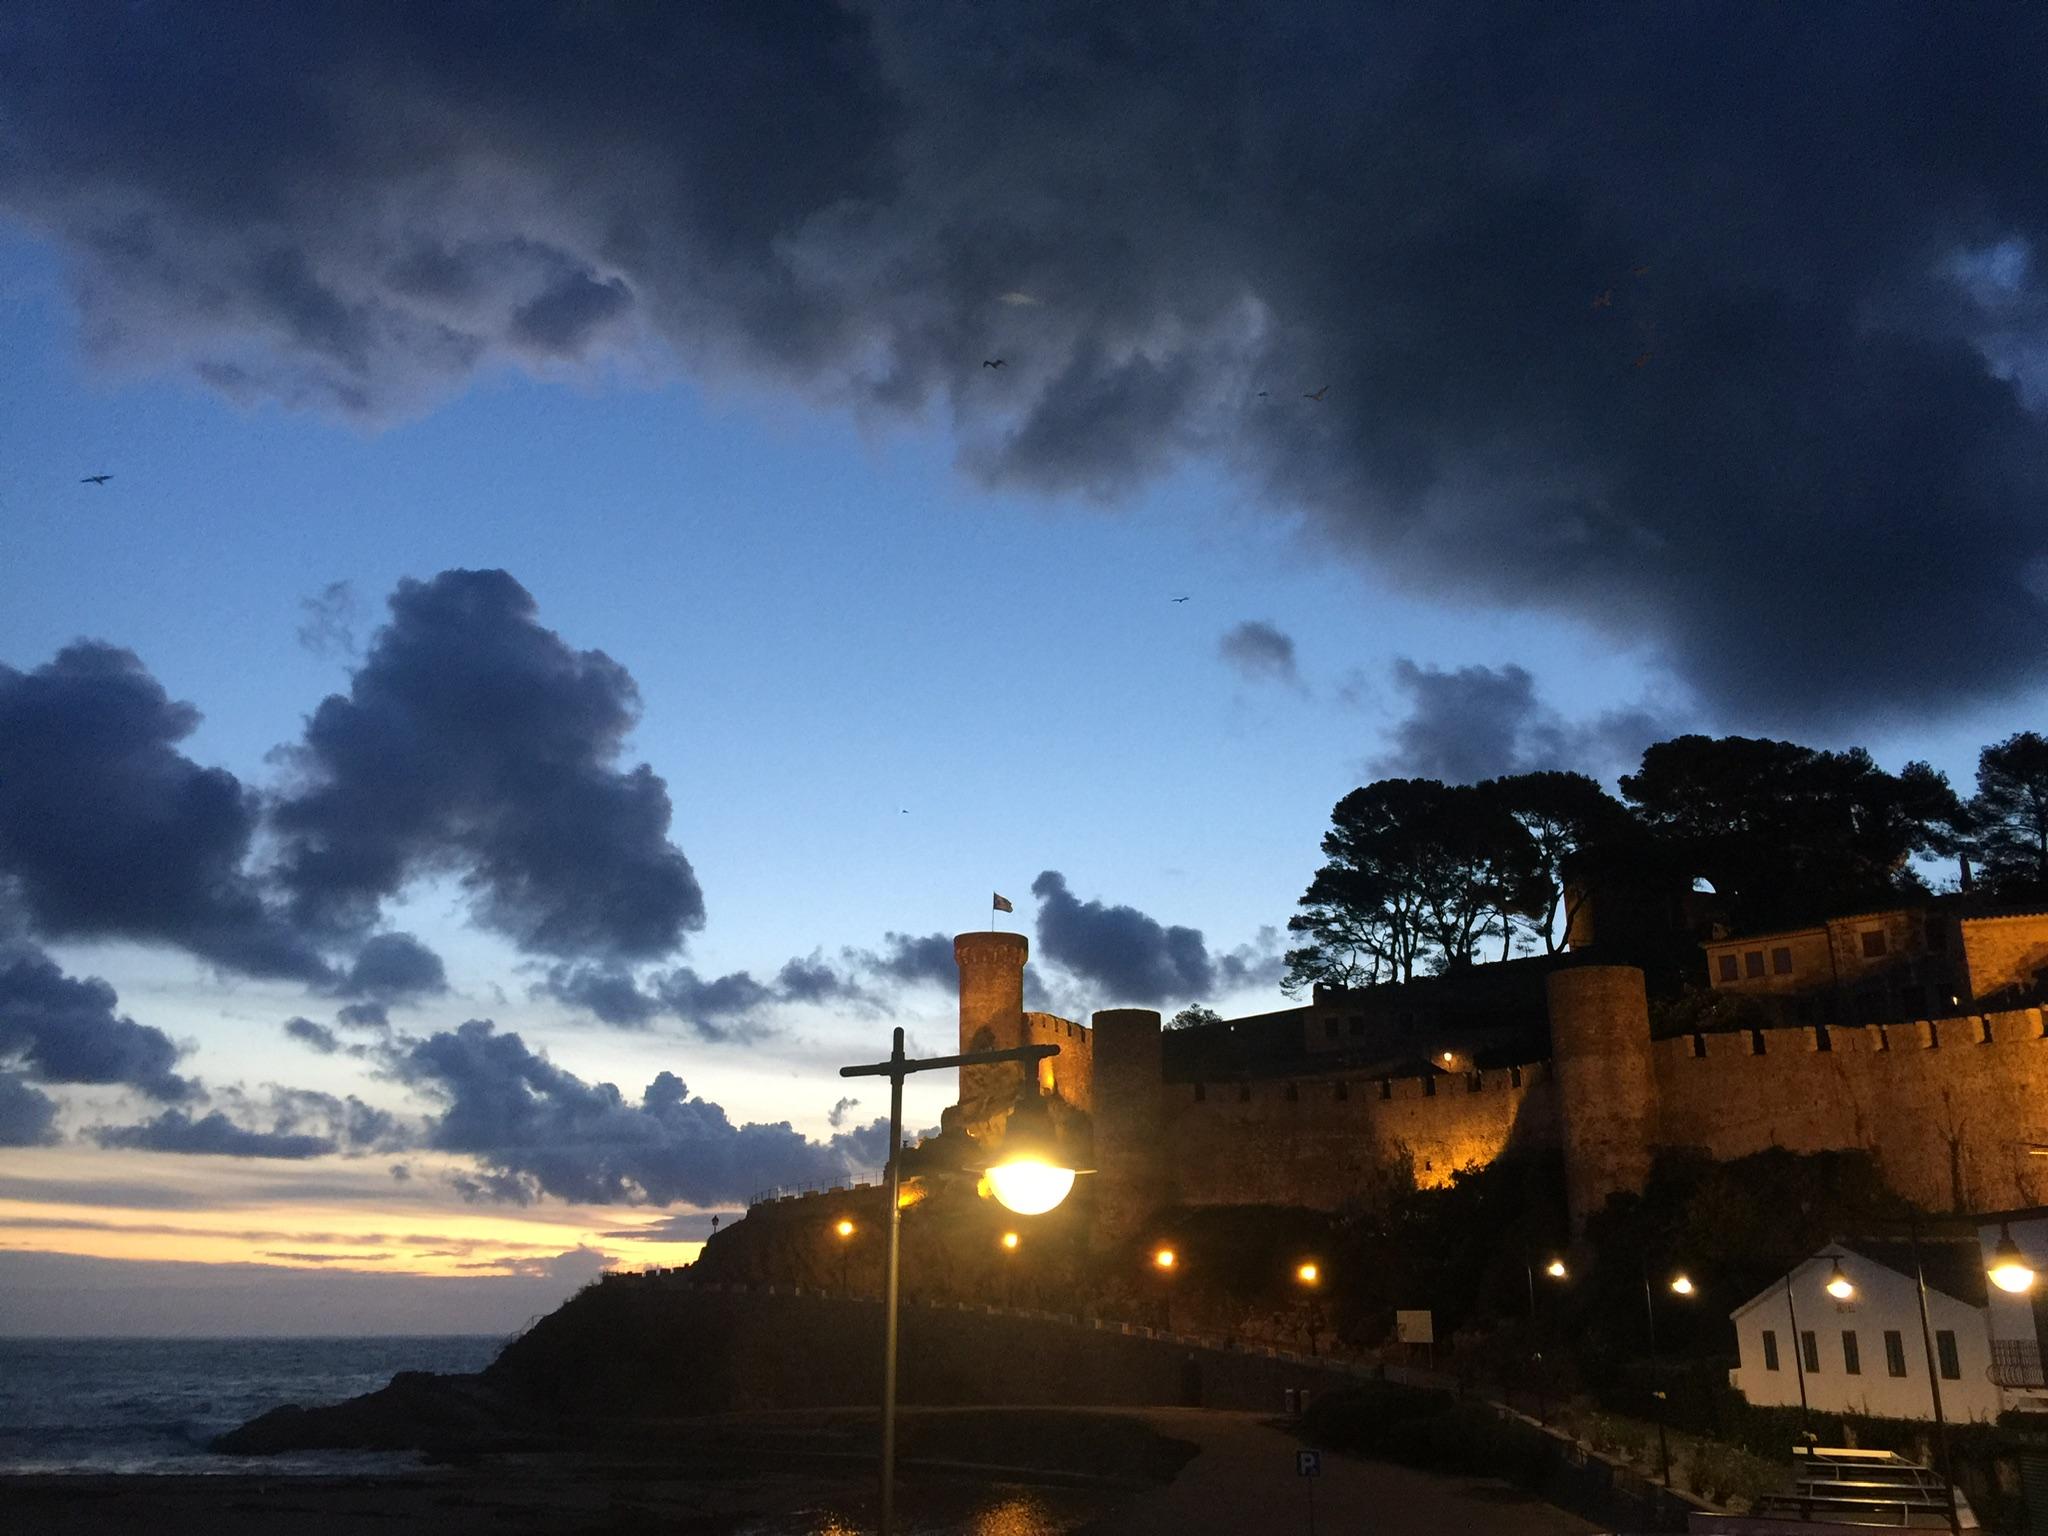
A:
1786,833
2010,816
1193,1015
1569,818
1417,872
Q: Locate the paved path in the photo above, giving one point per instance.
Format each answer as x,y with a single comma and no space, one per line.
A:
1245,1482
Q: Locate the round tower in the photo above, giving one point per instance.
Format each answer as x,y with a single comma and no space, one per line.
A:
1130,1155
991,1014
1606,1089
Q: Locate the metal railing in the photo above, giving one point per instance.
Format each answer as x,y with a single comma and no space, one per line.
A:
2017,1363
861,1179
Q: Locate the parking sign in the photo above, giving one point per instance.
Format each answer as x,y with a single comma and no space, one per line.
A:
1308,1463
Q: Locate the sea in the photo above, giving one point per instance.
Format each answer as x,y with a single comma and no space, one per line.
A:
152,1405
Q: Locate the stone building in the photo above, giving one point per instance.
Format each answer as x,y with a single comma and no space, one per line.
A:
1316,1105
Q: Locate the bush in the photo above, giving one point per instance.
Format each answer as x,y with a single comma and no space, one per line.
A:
1432,1430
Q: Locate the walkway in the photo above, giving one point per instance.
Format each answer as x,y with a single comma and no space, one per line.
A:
1245,1481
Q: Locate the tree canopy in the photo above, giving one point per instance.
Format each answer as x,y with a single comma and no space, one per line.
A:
2009,817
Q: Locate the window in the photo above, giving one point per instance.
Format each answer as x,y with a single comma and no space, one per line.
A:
1386,1088
1873,944
1728,971
1330,1028
1809,1346
1852,1356
1945,1352
1894,1352
1770,1350
1781,961
1429,1086
1753,963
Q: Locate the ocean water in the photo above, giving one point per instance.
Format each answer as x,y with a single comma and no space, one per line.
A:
151,1405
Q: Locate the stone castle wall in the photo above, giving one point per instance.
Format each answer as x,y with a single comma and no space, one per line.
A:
1944,1105
1322,1141
1071,1074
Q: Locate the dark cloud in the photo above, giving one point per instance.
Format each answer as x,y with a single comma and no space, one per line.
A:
912,959
578,1266
837,1117
56,1028
1840,325
27,1118
1480,722
1260,653
318,1036
1129,957
329,619
363,1016
294,1123
474,740
213,1133
717,1008
394,967
110,832
536,1129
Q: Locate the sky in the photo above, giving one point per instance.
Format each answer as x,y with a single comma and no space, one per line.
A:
575,622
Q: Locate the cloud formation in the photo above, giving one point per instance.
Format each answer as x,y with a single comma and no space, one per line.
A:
317,1036
291,1124
1806,371
474,740
27,1118
1478,723
212,1134
1130,957
110,832
1260,653
56,1028
536,1129
394,967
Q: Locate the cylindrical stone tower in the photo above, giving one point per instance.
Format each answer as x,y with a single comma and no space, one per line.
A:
1130,1155
1606,1087
991,1013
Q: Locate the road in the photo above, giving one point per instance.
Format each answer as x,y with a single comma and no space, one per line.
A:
1245,1481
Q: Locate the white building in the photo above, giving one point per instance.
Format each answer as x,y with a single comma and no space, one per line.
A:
1867,1354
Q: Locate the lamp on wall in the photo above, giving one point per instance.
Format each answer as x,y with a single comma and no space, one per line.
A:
2009,1269
1839,1285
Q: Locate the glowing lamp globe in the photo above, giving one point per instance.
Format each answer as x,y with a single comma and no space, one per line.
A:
2009,1269
1010,1240
1165,1258
1030,1186
1308,1274
1840,1286
1555,1269
844,1229
1682,1285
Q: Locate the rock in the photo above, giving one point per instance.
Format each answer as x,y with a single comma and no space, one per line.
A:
419,1411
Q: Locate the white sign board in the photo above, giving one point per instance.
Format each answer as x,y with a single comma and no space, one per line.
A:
1413,1328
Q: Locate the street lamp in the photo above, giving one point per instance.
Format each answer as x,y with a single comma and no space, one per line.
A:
1839,1285
1681,1285
1556,1270
1309,1276
844,1229
2009,1270
896,1069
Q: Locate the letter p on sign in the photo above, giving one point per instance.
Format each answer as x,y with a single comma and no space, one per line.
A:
1308,1463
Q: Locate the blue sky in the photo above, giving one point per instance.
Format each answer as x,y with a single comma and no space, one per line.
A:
893,657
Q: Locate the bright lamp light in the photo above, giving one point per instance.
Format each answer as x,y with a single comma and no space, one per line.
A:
2009,1269
1555,1269
1682,1285
1030,1186
1840,1286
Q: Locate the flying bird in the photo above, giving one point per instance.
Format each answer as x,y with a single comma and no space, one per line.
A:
1263,393
993,363
1180,599
1604,300
1642,271
1642,358
1318,394
95,479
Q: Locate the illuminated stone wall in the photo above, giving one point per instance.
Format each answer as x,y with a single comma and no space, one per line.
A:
1943,1105
1071,1074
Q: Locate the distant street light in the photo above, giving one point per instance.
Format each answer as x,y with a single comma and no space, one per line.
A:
1165,1258
1683,1286
1555,1269
1010,1241
896,1069
1307,1274
845,1230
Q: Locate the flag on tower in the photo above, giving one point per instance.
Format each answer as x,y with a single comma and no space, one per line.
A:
1003,904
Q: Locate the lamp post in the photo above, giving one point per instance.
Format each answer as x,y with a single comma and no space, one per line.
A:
1309,1276
1556,1270
1798,1363
843,1229
1681,1286
1028,1185
1948,1471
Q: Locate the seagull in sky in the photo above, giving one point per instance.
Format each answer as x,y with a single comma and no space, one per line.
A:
95,479
1641,271
1642,358
1180,599
993,363
1318,395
